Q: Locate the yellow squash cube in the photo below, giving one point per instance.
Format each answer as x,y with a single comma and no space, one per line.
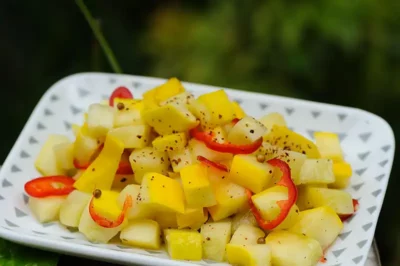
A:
161,93
133,137
246,171
46,162
250,255
192,218
182,99
142,233
197,187
219,107
173,142
239,112
342,172
329,145
215,237
183,244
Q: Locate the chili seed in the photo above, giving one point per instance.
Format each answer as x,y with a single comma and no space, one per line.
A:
261,158
97,193
261,240
120,106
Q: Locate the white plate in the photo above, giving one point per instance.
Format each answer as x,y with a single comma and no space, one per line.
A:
367,140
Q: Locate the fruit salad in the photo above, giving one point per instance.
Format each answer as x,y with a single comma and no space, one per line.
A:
197,177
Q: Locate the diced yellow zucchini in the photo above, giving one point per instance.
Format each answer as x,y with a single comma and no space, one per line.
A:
161,93
272,119
246,171
133,191
198,148
46,209
172,142
244,217
148,160
290,140
317,171
163,193
180,159
183,244
132,136
142,233
295,160
246,131
46,162
239,112
215,237
312,197
321,224
197,187
250,255
72,208
329,145
247,235
64,153
192,218
304,251
342,172
183,99
100,119
218,104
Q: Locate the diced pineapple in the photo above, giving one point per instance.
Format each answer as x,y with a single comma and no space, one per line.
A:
180,159
72,208
304,251
215,237
272,119
312,197
192,218
239,112
161,93
247,235
169,119
166,220
246,131
183,244
218,104
46,209
182,99
245,217
148,160
133,191
197,187
100,119
173,142
321,224
342,172
329,145
290,140
198,148
295,160
85,147
130,114
142,233
317,171
250,255
161,193
64,153
132,136
246,171
46,162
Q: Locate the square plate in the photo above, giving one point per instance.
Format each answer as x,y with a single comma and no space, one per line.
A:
367,141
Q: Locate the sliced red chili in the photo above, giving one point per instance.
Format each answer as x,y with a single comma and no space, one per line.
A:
49,186
104,222
284,205
356,205
235,120
212,164
120,92
210,142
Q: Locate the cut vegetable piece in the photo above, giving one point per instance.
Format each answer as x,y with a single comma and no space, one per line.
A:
148,160
161,93
72,208
120,92
64,153
215,237
218,104
245,217
312,197
128,112
130,190
46,209
173,142
295,160
163,193
182,99
329,145
342,172
239,112
132,136
197,187
290,140
47,186
317,171
85,147
183,244
142,234
101,172
272,119
100,120
304,251
247,235
46,162
246,131
198,148
192,218
166,220
250,255
180,159
247,172
321,224
219,135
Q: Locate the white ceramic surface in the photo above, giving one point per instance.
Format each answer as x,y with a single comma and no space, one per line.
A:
367,140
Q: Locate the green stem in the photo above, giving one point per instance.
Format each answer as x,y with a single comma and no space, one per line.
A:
99,36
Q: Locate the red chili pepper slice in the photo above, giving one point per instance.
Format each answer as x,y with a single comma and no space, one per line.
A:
212,164
209,141
104,222
356,205
120,92
284,205
49,186
235,120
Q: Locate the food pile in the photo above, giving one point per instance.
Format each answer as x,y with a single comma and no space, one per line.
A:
198,175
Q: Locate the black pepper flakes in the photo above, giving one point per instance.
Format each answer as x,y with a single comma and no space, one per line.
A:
251,131
139,136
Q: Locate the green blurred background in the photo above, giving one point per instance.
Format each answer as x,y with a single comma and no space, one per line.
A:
342,52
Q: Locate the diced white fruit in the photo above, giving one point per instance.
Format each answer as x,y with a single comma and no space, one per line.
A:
272,119
46,162
199,148
133,191
85,147
100,119
250,255
317,171
246,131
46,209
295,160
215,237
72,208
142,233
247,235
137,136
180,159
245,217
64,153
130,114
329,145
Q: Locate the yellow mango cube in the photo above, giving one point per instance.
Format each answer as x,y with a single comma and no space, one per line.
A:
192,218
107,204
197,187
247,172
161,93
239,112
183,244
342,172
218,106
329,145
172,142
250,255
